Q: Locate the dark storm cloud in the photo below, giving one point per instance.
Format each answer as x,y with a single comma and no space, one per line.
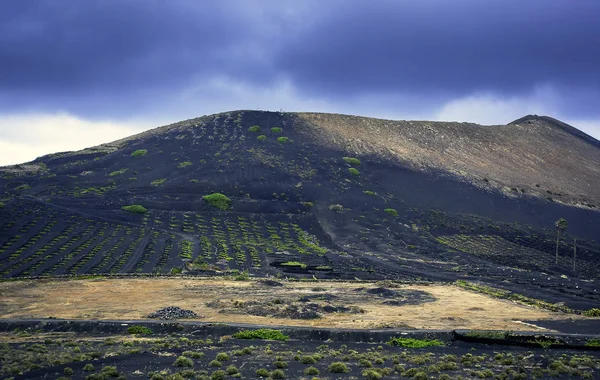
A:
116,57
452,47
69,52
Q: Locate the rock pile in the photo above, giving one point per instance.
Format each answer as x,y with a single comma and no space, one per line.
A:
173,312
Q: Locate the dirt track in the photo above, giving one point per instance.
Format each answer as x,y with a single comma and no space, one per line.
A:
440,306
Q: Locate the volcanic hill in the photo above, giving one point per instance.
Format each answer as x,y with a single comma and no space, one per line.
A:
323,195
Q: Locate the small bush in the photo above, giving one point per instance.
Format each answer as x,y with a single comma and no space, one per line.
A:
338,367
311,371
592,343
222,357
68,371
278,374
110,371
336,208
595,312
117,172
371,374
218,375
139,152
280,364
414,343
231,370
136,209
218,200
184,164
193,354
283,139
268,334
176,270
254,128
276,130
88,367
1,204
139,330
182,361
261,138
158,182
307,359
369,192
262,372
352,161
353,171
391,211
296,264
365,363
215,363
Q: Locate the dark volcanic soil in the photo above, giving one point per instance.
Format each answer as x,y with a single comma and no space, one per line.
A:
297,210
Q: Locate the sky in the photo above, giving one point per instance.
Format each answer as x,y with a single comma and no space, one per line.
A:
75,74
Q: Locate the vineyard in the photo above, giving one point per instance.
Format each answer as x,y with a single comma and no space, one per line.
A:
39,240
531,252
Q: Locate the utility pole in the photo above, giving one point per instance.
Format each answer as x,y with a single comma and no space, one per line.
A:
574,252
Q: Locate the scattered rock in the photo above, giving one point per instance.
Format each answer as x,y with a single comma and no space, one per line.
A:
383,292
269,283
173,312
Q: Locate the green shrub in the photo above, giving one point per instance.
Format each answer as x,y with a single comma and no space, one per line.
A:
262,372
136,209
182,361
365,363
338,367
391,211
296,264
592,343
311,371
176,270
369,192
110,371
218,375
88,367
352,161
268,334
218,200
307,359
22,187
184,164
193,354
336,208
254,128
283,139
158,182
68,371
222,357
215,363
280,364
231,370
118,172
414,343
353,171
276,130
139,330
261,138
277,374
1,204
139,152
595,312
372,374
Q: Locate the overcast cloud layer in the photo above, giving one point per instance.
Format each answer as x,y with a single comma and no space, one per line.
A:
79,73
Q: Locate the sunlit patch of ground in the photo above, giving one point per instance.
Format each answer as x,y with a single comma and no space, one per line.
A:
372,306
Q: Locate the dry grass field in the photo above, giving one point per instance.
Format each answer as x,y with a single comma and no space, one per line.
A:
339,304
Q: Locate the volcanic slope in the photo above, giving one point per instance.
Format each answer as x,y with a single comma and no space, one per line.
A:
324,195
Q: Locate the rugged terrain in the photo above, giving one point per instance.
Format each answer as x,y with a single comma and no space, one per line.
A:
322,195
325,223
